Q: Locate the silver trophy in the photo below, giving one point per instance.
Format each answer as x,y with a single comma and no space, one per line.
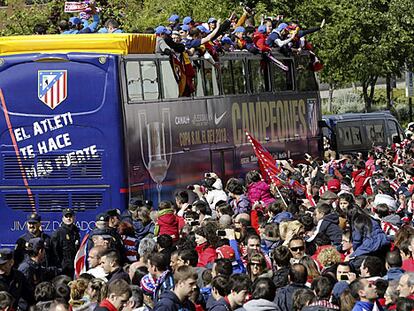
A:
156,152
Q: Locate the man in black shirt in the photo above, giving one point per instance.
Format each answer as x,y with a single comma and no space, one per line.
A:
65,243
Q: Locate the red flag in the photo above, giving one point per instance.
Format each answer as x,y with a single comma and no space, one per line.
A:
80,258
267,163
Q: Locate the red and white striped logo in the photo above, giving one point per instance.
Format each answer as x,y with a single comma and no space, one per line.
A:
52,87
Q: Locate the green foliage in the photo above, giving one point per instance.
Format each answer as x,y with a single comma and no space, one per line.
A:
362,39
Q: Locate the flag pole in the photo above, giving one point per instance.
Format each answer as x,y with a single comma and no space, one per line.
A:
280,195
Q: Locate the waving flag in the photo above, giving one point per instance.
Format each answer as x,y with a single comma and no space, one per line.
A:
267,163
81,256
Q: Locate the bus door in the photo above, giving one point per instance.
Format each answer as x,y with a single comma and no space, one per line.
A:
223,163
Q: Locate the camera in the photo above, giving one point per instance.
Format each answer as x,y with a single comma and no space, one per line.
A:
190,187
221,233
194,223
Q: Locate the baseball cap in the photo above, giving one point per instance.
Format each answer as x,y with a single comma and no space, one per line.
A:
334,185
35,244
187,20
134,203
102,217
162,30
185,27
226,40
211,20
68,211
6,254
75,20
203,29
262,29
226,252
33,218
173,18
329,195
239,29
280,27
113,213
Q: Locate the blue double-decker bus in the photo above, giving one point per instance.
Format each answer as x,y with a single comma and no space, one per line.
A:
90,121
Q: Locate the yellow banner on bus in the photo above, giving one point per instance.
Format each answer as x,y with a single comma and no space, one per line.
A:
92,43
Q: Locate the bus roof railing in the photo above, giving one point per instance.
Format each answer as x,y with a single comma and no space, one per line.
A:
90,43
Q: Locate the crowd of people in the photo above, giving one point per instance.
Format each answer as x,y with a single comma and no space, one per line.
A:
331,234
210,38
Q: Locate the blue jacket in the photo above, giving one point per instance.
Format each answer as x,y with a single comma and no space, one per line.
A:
241,206
105,30
363,306
86,27
394,274
268,245
284,296
365,243
166,282
238,266
271,38
141,230
330,227
219,305
281,217
170,302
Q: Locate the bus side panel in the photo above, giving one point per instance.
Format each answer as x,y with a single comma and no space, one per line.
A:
210,134
61,139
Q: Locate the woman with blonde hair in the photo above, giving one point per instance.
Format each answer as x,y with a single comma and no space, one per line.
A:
94,294
289,229
77,292
329,258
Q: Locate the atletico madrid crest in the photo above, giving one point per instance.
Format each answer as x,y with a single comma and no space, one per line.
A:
52,87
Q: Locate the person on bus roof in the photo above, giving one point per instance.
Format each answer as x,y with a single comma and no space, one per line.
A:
165,42
174,21
79,25
111,26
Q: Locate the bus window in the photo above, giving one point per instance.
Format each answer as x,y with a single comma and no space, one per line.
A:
210,78
393,132
239,75
226,77
282,80
349,135
149,80
169,84
375,132
134,81
257,76
305,78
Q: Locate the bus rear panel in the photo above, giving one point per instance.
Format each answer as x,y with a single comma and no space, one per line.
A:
61,139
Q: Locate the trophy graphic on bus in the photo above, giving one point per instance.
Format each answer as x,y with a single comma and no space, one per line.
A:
156,146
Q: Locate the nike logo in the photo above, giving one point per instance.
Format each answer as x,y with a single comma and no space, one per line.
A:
217,120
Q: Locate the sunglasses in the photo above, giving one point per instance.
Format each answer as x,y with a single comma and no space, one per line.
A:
255,264
297,249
